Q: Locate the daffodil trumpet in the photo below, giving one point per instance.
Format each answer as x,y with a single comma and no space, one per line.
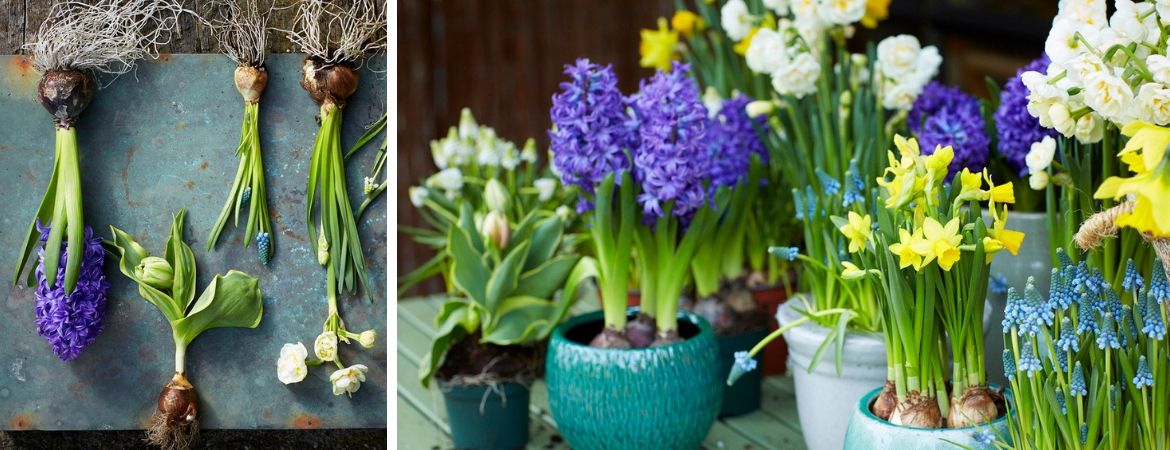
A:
168,283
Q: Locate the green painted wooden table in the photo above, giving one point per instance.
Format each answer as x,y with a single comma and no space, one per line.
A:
422,419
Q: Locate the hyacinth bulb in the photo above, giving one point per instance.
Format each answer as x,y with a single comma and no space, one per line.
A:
71,322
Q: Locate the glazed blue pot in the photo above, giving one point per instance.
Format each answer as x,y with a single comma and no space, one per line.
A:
867,432
651,398
483,419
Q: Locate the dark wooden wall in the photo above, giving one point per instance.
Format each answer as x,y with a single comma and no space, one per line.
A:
503,59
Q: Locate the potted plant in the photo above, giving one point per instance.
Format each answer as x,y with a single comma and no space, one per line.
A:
929,253
830,108
645,377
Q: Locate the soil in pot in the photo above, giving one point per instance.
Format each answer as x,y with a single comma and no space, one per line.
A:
486,388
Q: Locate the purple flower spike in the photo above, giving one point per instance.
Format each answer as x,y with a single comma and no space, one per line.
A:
948,116
1016,128
72,322
591,129
672,161
733,141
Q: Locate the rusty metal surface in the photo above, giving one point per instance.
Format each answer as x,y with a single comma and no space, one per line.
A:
153,141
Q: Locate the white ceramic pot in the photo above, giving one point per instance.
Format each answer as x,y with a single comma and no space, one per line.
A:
1034,260
824,399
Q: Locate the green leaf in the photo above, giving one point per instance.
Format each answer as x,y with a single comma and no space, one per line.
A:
504,279
468,271
469,319
130,254
521,320
447,335
545,240
182,261
544,280
232,300
522,232
467,223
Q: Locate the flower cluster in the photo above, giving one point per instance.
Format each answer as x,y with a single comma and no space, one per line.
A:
71,322
1091,353
904,68
592,131
733,140
1017,129
946,116
671,163
1145,156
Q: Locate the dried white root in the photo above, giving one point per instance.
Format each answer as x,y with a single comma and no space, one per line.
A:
336,34
241,27
107,36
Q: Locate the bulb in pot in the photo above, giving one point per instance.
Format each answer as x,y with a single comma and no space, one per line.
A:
976,405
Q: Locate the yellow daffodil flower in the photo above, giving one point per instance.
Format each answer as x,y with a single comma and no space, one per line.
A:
938,162
1150,139
1003,193
999,237
1150,190
687,22
742,47
851,271
859,230
658,47
906,255
875,11
970,186
939,242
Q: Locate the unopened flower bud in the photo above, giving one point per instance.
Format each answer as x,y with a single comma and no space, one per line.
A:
495,195
367,338
468,128
495,229
322,249
759,108
156,272
368,185
528,153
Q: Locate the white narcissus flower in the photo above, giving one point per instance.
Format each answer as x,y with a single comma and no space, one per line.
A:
799,77
1163,7
1108,95
1159,67
1083,66
1154,101
780,7
1090,13
417,196
900,96
368,338
291,368
897,56
1135,21
545,188
1062,43
1038,180
1040,155
349,379
927,66
735,19
842,12
766,54
325,347
1061,119
1090,128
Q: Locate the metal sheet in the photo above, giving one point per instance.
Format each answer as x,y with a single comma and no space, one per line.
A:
153,141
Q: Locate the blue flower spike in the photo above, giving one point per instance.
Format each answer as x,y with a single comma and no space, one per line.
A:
1107,336
744,363
1152,325
788,253
1028,360
1077,385
1009,365
1068,339
1133,281
1144,378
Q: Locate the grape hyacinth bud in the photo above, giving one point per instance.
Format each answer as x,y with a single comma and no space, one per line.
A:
1144,378
788,253
744,363
1058,295
246,195
1130,331
1152,325
829,185
1013,312
1042,313
1062,258
1060,401
1009,365
1062,361
1133,280
1028,360
264,246
671,163
72,322
1114,393
999,283
1068,340
1159,287
1086,317
1077,385
1084,432
1107,336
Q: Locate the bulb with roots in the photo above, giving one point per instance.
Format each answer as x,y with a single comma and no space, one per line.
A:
886,401
65,94
328,84
176,423
975,406
918,411
250,82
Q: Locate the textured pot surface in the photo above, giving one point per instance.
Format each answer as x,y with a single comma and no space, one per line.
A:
776,355
651,398
824,400
1033,260
485,418
744,396
868,432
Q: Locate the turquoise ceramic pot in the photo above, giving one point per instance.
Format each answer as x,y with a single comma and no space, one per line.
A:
867,432
651,398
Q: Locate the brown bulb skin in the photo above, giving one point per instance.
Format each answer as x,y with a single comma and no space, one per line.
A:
328,84
250,83
65,94
178,401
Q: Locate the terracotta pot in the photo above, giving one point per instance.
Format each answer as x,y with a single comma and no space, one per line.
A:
775,354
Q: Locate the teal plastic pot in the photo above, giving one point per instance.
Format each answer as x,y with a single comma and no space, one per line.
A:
867,432
486,419
650,398
744,396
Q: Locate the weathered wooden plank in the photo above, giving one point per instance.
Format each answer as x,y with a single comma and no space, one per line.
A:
416,431
11,25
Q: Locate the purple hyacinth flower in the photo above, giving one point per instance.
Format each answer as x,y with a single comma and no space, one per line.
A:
592,131
72,322
1015,127
733,140
672,160
945,116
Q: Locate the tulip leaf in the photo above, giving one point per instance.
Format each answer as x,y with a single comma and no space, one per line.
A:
504,279
522,231
182,261
232,300
467,223
544,280
521,319
546,238
468,271
449,332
